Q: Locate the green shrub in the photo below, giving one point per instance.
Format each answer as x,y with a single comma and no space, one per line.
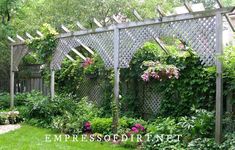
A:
68,123
163,126
200,124
72,121
101,125
4,100
19,100
3,119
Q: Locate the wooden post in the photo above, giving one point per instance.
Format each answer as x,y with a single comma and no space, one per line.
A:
219,79
116,81
12,76
52,83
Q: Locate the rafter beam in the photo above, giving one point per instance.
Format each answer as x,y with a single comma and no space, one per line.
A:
73,49
80,26
137,15
39,33
65,28
188,7
226,16
78,53
69,57
97,23
116,19
29,36
86,47
219,3
161,13
11,39
20,38
159,42
83,45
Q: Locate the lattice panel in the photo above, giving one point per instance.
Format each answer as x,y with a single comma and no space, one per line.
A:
64,46
199,34
19,51
102,43
150,98
92,89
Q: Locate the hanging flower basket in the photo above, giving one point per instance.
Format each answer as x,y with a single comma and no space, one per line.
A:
159,71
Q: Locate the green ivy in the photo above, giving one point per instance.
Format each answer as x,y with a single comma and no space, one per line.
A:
44,47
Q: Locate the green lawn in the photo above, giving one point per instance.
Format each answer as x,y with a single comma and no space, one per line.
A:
33,138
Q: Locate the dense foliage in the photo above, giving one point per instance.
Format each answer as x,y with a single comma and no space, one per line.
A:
72,116
187,128
195,85
43,48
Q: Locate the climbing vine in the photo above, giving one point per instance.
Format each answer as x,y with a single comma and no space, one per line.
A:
43,47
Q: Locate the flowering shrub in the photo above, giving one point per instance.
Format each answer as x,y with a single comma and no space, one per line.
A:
137,128
87,127
159,71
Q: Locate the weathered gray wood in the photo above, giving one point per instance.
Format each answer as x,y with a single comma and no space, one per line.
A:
29,36
188,7
97,23
52,84
161,13
69,57
10,39
39,33
80,26
20,38
86,47
219,79
74,50
83,45
226,16
65,28
159,42
12,77
116,80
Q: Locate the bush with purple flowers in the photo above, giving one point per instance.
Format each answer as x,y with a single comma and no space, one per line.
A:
87,127
137,128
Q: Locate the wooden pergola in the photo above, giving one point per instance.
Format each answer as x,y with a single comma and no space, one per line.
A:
117,43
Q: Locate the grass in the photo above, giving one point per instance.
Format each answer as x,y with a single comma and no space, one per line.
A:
33,138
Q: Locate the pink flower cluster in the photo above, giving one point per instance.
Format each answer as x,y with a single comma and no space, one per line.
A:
87,126
87,62
158,71
137,128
